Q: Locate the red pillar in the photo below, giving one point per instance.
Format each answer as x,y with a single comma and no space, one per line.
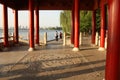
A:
72,26
113,50
93,26
76,24
37,25
16,40
102,31
5,25
31,25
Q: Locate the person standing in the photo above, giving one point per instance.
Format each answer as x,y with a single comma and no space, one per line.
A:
60,35
56,36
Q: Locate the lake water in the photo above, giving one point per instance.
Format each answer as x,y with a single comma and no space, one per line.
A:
24,34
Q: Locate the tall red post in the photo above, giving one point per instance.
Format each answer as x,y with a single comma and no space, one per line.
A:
76,25
37,25
72,26
5,25
93,26
102,30
16,40
31,25
113,48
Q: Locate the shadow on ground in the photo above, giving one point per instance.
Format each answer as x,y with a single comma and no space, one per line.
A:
34,71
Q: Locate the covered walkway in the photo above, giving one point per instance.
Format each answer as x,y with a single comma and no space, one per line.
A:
53,62
112,70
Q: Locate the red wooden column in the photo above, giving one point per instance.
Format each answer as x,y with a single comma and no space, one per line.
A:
76,25
5,25
102,30
16,40
37,25
31,25
113,48
72,26
93,26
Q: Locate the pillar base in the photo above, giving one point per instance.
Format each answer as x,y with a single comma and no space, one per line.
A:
31,49
101,49
75,49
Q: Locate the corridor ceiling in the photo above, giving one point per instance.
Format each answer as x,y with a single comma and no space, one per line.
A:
53,4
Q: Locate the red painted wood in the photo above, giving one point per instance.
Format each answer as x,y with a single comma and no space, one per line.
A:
113,50
72,29
5,25
16,40
31,24
37,25
51,4
77,13
93,26
102,30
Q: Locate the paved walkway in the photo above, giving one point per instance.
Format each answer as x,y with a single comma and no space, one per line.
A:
53,62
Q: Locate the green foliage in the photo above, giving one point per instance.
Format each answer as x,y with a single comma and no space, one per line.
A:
85,21
65,21
98,20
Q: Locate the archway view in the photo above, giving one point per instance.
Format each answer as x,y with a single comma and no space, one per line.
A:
50,27
90,49
48,22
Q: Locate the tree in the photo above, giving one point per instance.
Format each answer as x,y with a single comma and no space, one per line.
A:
65,21
98,20
85,21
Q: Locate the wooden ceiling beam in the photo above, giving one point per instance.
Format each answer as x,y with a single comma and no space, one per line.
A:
52,4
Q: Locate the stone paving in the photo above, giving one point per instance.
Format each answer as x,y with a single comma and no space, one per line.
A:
54,62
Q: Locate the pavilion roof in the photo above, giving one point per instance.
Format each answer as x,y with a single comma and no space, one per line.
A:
53,4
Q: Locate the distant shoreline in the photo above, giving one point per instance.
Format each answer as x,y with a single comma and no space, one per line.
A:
28,29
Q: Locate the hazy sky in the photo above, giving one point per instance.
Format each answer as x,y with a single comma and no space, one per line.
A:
47,18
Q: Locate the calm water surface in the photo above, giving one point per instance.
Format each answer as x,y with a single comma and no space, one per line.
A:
24,34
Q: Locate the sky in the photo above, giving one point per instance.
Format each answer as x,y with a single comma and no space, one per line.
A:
47,18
